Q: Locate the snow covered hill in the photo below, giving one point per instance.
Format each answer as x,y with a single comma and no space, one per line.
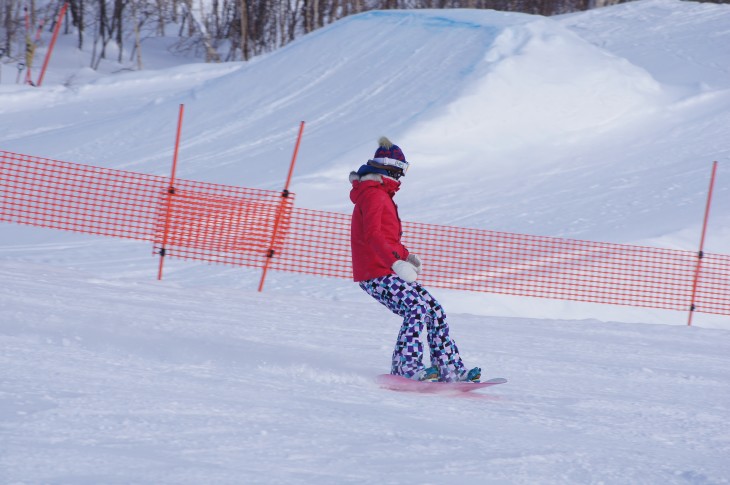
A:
107,381
600,125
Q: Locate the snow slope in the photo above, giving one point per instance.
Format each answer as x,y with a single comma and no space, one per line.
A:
599,125
108,381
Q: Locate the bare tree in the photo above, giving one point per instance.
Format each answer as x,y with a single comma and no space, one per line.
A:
117,25
9,10
77,19
138,22
197,22
245,53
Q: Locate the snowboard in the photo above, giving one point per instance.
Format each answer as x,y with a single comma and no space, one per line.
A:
400,383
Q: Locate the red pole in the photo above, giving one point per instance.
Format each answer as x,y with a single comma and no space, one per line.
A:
53,43
170,192
284,195
702,243
294,156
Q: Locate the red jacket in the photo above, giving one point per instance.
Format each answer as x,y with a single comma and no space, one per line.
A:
376,228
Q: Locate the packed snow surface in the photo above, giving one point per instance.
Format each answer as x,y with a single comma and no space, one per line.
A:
599,125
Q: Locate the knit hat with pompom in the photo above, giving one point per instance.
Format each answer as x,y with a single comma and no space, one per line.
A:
388,160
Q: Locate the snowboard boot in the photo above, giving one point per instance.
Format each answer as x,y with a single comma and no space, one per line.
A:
430,374
472,376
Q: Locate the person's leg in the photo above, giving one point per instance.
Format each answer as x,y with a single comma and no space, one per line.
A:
443,350
407,357
417,307
402,299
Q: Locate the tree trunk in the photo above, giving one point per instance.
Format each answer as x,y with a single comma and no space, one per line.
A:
137,41
9,25
245,54
77,19
118,25
211,55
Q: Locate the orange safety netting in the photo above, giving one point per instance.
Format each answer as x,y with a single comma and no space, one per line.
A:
81,198
238,226
222,224
205,222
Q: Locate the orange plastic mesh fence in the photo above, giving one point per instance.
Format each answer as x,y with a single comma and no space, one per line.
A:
223,224
317,243
81,198
519,264
713,287
206,222
232,225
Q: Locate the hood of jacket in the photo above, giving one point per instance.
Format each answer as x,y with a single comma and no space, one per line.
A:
363,183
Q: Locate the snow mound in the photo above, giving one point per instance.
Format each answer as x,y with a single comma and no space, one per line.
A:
500,79
541,84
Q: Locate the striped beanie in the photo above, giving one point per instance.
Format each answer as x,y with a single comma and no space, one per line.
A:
388,160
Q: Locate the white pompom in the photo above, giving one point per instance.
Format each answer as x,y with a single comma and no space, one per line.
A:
384,142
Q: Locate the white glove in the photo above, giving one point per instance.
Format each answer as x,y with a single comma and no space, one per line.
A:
405,270
415,261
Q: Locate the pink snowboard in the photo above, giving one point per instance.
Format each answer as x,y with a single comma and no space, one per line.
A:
400,383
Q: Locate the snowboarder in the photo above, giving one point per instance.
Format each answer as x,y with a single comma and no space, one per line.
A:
387,271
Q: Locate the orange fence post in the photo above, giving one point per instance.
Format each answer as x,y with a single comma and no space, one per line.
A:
170,193
701,253
52,44
284,195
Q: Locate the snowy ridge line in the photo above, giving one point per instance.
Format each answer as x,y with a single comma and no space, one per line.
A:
234,225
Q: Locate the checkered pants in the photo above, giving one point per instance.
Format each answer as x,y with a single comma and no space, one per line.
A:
418,308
